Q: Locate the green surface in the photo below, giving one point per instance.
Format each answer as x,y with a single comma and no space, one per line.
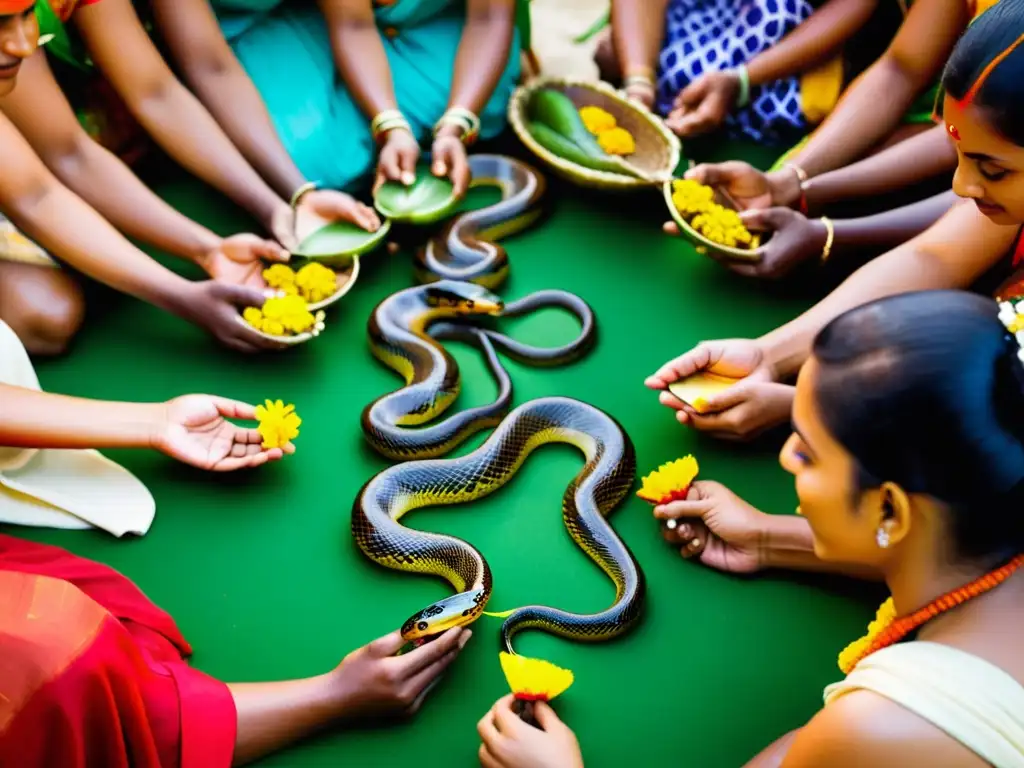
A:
262,576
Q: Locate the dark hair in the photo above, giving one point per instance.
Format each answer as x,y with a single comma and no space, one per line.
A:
925,390
987,68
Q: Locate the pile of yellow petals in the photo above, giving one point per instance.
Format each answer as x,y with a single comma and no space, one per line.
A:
612,139
284,316
886,615
669,482
534,679
278,423
719,224
314,282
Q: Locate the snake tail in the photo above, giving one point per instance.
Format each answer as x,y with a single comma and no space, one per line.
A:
607,476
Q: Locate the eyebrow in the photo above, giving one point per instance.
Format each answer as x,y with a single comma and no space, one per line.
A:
798,433
981,157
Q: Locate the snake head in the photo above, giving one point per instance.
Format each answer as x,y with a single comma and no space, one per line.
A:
437,618
461,298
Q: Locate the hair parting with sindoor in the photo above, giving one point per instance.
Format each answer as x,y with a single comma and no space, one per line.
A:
925,390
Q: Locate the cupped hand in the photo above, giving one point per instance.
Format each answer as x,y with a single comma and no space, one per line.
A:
703,105
450,160
239,259
509,742
397,159
194,429
317,209
717,527
372,681
747,186
216,306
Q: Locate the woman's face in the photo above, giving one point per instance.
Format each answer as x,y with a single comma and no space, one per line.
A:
843,526
990,168
19,37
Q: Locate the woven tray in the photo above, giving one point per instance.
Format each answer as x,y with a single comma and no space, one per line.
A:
658,150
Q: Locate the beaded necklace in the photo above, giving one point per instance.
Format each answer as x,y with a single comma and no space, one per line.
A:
888,629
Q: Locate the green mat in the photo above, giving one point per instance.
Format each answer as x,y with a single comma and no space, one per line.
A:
262,576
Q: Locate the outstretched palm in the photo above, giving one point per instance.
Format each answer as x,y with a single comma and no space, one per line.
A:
196,431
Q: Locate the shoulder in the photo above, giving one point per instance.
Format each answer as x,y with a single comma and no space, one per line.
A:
865,728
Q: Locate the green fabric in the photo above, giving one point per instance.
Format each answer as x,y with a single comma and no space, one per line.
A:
63,46
286,51
261,573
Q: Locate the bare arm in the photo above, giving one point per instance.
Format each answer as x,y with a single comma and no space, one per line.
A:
818,38
875,103
637,31
42,114
483,52
774,753
952,254
916,159
788,545
891,228
211,68
62,223
359,54
119,45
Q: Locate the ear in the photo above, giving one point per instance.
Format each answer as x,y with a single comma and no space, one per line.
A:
894,512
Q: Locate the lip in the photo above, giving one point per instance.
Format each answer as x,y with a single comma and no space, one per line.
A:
988,208
7,71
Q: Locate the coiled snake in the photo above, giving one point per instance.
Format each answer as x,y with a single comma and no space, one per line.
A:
459,269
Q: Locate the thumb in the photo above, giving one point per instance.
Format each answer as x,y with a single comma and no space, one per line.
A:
727,398
765,218
716,175
696,507
271,251
388,645
240,295
693,94
546,717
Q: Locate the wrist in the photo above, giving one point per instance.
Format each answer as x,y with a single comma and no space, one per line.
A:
206,243
787,542
787,186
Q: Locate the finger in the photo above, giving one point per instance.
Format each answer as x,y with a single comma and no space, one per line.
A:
507,721
546,717
487,760
683,508
666,398
388,645
765,219
390,164
234,409
271,251
670,228
460,173
407,161
366,217
747,270
730,397
440,166
241,296
427,654
423,680
697,359
235,463
718,174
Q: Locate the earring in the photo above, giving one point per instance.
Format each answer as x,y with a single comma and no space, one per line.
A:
882,537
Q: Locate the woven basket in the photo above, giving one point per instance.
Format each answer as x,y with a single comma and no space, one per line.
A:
657,149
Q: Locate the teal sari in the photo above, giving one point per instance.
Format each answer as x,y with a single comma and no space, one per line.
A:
284,47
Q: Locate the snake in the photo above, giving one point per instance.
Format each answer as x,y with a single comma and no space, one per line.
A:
454,300
607,476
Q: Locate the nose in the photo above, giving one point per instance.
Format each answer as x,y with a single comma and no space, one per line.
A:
787,459
21,40
967,181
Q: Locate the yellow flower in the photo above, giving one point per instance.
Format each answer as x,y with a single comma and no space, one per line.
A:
597,120
316,282
534,679
670,481
883,618
278,423
253,317
273,327
722,225
617,141
289,313
690,197
279,276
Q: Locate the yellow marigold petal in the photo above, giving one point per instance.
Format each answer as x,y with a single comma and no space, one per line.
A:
252,316
617,141
534,679
669,481
597,120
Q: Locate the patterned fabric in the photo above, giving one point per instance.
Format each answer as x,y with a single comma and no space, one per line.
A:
715,35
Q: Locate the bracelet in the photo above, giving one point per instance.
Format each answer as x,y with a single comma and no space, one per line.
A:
462,118
388,120
829,239
642,80
743,99
299,193
800,172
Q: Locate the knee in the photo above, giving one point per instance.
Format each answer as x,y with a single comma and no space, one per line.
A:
45,312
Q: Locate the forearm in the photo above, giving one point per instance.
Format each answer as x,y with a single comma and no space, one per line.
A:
178,123
363,64
273,715
482,57
814,41
637,29
788,544
774,755
887,230
916,159
106,184
32,419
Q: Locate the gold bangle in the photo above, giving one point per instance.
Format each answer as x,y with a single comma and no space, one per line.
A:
392,124
829,238
386,116
639,71
462,118
299,193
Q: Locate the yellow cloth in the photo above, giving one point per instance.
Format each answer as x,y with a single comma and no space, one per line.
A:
820,90
973,701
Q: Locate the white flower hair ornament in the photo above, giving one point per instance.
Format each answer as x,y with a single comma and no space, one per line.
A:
1011,314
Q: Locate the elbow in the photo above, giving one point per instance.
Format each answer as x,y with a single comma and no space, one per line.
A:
69,160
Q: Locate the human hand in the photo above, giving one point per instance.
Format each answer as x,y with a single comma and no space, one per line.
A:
642,92
215,305
194,430
741,412
239,259
716,526
704,104
372,681
509,742
449,159
397,159
318,208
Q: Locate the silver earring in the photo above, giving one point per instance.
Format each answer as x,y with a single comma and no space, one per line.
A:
882,537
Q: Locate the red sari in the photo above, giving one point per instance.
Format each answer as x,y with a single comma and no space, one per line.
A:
93,674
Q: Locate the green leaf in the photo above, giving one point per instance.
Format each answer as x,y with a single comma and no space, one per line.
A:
426,200
339,241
